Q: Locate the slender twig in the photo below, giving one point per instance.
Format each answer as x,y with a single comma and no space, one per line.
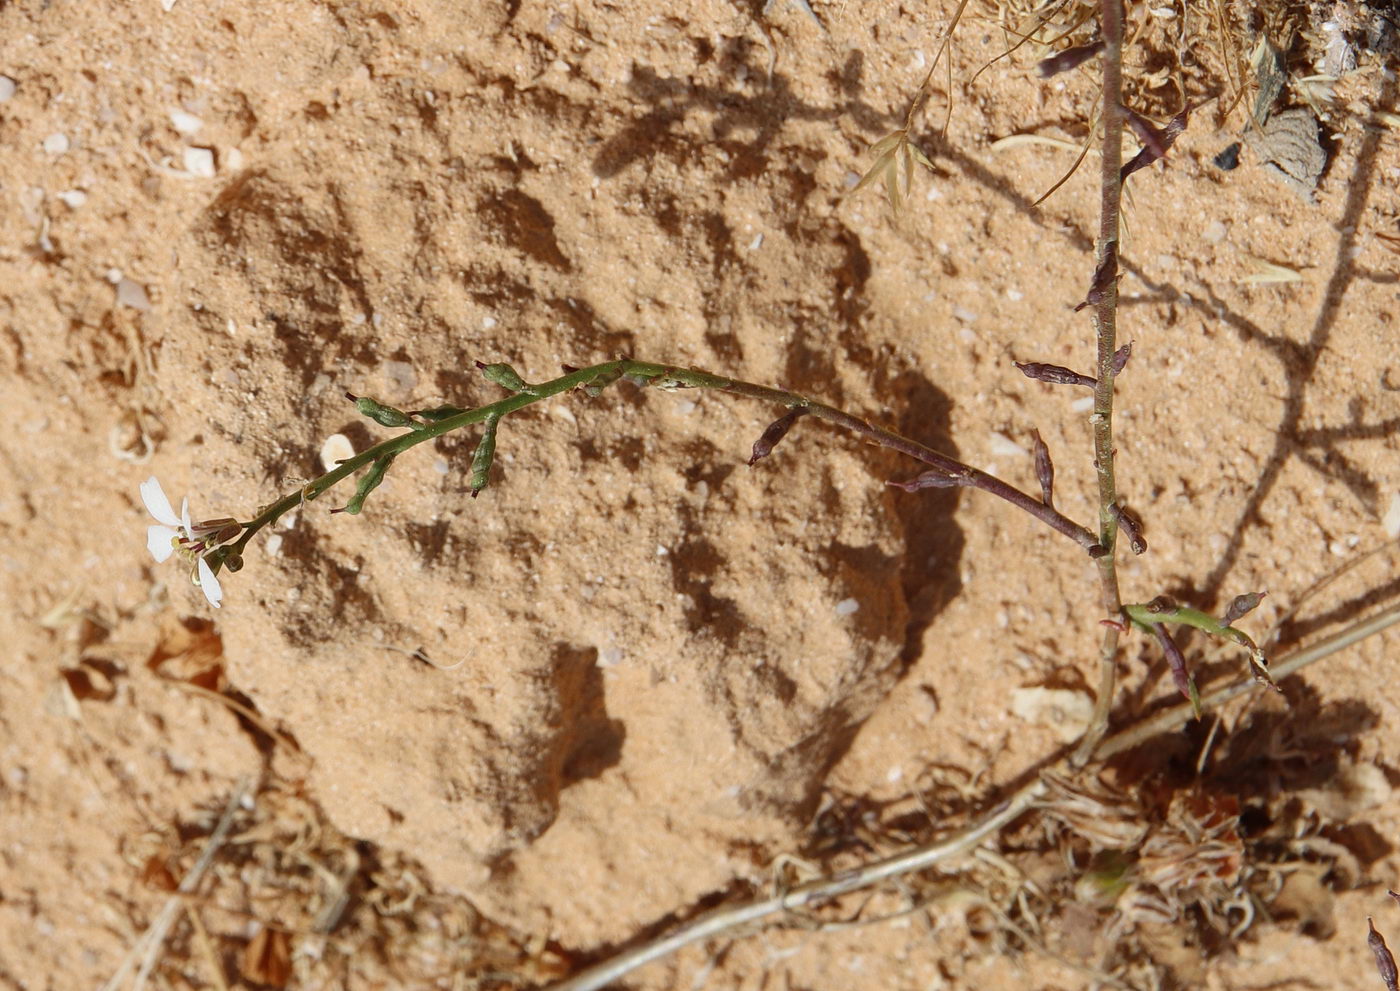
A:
728,918
668,377
1104,295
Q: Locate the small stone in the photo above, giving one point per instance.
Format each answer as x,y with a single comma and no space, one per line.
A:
57,143
400,375
847,607
200,162
73,198
336,449
185,123
1391,520
7,88
1003,446
133,294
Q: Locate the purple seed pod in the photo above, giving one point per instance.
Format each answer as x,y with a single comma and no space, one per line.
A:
932,479
1054,374
1044,470
1157,148
1104,277
1070,58
1240,605
775,432
1121,356
1385,962
1176,660
1130,526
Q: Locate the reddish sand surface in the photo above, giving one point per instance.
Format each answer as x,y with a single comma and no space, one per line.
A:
482,742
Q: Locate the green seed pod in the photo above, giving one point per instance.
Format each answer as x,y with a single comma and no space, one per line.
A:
386,416
438,412
504,376
369,481
485,454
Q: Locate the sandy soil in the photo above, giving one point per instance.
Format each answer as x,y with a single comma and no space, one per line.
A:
484,741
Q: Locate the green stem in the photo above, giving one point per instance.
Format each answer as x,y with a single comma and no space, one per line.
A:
667,377
1106,334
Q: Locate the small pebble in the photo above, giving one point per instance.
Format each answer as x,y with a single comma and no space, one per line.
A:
7,88
1216,232
1003,446
336,449
185,123
400,375
1391,520
73,198
133,294
1229,158
56,144
846,607
200,162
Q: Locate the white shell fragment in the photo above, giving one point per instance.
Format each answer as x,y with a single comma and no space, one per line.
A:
336,449
199,162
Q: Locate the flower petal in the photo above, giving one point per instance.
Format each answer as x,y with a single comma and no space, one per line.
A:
208,583
185,519
159,541
156,502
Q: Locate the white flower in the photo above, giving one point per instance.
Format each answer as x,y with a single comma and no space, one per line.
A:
162,540
208,584
193,540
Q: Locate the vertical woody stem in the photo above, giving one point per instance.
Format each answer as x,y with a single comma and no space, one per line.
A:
1106,332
